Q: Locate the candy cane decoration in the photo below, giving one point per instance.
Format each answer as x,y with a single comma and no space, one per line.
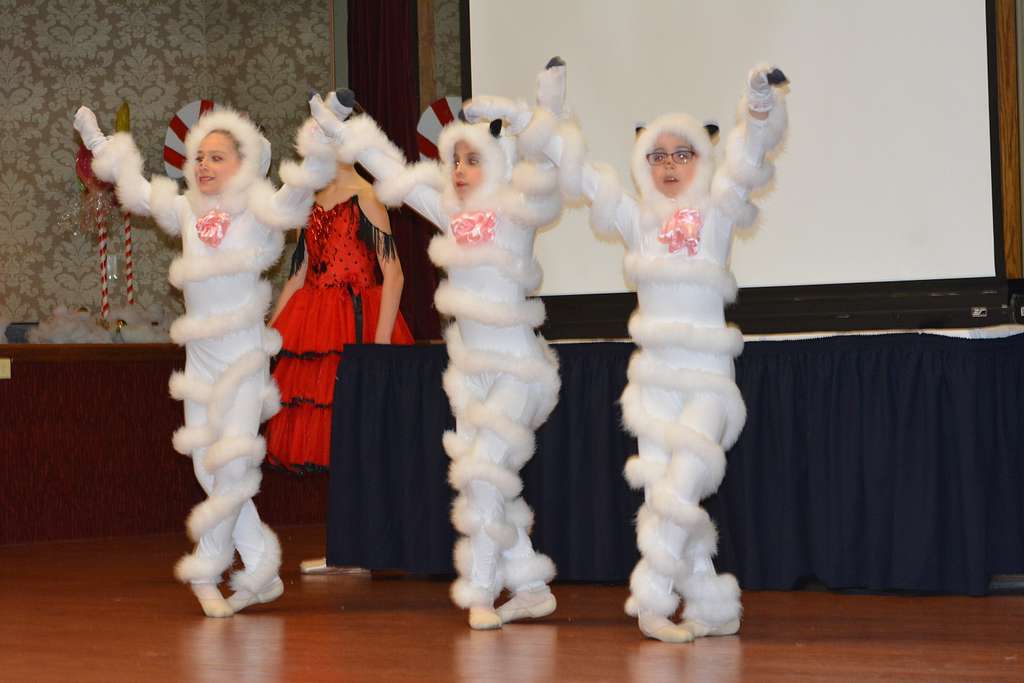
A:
129,277
438,115
177,130
101,222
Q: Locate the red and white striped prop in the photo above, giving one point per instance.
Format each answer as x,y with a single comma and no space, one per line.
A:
438,115
101,223
174,140
129,274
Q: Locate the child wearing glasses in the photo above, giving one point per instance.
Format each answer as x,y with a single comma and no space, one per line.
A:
681,400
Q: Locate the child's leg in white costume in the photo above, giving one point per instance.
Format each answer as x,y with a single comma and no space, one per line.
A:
712,600
497,551
659,540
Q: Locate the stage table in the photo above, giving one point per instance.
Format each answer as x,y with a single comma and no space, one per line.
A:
888,462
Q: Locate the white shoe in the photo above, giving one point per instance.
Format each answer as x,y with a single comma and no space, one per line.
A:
660,628
212,602
528,605
483,619
700,629
243,598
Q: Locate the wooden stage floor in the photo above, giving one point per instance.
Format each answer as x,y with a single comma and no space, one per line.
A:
109,610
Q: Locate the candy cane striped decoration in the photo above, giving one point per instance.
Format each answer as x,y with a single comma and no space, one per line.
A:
129,277
174,140
438,115
101,222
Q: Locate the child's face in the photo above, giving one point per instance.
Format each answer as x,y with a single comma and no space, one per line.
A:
673,164
467,171
217,161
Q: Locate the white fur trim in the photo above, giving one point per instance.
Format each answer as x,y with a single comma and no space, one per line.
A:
643,472
495,163
216,508
570,165
184,387
311,174
712,600
650,331
690,517
276,211
466,469
230,448
675,269
257,579
521,572
534,179
465,518
187,440
393,191
461,304
454,445
271,403
505,535
117,159
253,148
643,586
192,568
652,546
519,514
196,268
474,361
692,131
445,252
192,327
519,439
672,435
643,369
466,595
363,133
532,211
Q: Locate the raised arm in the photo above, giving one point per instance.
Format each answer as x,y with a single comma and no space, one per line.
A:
613,213
748,154
359,139
289,206
117,160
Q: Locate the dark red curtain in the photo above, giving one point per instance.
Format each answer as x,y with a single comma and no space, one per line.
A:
384,73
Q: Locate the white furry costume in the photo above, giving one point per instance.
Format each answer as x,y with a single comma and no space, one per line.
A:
502,380
681,400
226,385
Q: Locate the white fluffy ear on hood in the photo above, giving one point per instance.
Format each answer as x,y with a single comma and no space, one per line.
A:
692,131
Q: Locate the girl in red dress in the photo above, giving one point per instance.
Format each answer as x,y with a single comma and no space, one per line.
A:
333,299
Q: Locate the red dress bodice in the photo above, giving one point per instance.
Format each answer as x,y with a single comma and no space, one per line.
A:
337,257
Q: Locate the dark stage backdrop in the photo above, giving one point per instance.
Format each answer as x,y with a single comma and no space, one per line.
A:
888,462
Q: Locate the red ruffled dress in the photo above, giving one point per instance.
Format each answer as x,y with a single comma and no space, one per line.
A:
338,304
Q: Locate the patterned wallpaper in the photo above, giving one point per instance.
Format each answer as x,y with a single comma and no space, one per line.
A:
260,56
447,53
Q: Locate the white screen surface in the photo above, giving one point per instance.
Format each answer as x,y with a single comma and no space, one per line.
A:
886,174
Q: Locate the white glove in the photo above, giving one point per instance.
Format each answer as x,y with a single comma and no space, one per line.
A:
551,86
759,92
89,129
325,118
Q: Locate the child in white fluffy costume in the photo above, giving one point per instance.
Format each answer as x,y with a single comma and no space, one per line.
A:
502,380
231,222
681,400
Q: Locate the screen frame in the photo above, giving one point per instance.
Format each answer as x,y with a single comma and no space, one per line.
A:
904,304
